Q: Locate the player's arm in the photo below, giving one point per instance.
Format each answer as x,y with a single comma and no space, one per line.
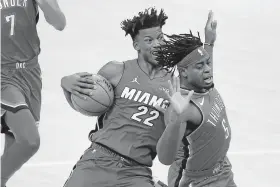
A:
175,117
78,84
169,142
68,98
209,50
53,14
210,37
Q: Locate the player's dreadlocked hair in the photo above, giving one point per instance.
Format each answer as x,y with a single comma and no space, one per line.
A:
147,19
176,47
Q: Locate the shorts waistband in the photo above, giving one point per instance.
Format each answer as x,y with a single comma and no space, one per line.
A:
107,150
217,168
21,65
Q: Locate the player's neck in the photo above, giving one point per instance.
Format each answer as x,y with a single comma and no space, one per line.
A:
151,70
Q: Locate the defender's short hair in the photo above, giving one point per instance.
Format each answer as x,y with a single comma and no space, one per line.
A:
144,20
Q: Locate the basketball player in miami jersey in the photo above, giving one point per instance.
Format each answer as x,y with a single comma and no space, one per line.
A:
204,138
21,78
123,150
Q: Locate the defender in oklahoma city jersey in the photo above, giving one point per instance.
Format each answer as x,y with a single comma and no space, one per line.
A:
206,133
21,78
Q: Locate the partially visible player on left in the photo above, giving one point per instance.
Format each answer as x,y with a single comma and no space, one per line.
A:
21,78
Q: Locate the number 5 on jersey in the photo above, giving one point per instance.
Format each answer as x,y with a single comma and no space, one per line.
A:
154,114
225,128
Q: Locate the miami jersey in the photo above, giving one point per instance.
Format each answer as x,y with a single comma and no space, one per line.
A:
132,127
19,38
209,142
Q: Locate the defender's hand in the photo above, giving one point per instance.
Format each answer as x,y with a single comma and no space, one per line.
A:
178,104
210,29
79,84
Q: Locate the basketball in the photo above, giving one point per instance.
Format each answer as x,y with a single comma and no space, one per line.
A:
99,102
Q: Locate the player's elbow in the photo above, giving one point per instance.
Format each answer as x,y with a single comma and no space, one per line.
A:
60,27
56,18
165,160
163,156
62,24
53,15
58,24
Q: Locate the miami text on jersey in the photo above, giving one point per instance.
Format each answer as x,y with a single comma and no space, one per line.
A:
143,97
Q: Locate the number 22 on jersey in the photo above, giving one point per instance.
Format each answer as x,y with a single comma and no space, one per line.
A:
154,114
11,19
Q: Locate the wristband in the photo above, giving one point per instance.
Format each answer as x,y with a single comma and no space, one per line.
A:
212,45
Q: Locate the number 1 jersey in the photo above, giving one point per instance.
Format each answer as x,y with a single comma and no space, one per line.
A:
132,127
19,38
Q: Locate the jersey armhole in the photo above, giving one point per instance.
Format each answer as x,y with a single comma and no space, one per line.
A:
200,111
35,4
201,122
121,75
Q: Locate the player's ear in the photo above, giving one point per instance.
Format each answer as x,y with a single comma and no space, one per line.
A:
136,44
183,72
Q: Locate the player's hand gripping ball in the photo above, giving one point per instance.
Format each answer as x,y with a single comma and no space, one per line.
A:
99,101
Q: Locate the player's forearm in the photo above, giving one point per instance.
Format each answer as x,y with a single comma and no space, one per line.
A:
52,13
169,143
68,97
209,50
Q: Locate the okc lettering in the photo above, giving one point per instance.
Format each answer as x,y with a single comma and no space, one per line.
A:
216,110
20,65
143,97
12,3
